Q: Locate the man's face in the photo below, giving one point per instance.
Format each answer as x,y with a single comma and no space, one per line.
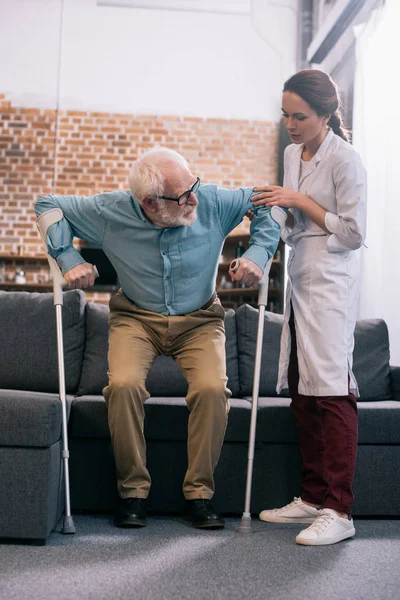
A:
169,213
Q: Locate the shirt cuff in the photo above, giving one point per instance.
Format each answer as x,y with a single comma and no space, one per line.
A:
332,222
335,244
258,255
69,259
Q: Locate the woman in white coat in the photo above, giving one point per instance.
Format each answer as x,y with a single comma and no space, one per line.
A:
322,212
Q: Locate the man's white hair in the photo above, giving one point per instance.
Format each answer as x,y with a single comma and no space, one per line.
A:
146,178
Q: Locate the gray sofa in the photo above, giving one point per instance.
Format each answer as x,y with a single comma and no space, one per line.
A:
31,495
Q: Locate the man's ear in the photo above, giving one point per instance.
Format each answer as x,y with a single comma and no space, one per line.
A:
149,204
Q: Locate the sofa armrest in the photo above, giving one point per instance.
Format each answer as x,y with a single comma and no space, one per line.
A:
395,382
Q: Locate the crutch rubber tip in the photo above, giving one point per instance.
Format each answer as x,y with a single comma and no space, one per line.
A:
245,525
68,525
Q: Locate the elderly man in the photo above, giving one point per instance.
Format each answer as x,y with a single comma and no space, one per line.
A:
164,238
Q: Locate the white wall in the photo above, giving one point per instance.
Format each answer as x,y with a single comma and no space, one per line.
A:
376,88
148,61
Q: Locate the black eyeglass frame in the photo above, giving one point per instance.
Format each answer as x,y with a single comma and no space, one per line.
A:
193,190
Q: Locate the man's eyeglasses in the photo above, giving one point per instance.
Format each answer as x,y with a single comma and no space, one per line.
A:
183,198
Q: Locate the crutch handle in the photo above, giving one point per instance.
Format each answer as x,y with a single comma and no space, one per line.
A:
262,284
234,265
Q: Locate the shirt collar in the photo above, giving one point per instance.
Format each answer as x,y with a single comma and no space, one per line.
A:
137,209
320,153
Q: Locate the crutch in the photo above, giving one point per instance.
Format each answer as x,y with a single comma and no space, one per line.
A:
45,220
245,523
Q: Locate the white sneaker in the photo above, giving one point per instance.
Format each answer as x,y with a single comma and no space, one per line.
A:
329,528
294,512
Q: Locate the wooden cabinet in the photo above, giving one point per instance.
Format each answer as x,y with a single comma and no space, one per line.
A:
38,279
35,272
231,295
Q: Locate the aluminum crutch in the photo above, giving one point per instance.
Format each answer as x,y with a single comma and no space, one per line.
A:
245,523
43,222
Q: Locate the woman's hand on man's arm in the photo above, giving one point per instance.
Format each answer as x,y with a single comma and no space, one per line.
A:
275,195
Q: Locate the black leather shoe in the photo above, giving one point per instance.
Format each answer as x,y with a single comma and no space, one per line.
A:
131,512
202,515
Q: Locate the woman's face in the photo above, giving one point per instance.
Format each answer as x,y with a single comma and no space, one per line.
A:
301,121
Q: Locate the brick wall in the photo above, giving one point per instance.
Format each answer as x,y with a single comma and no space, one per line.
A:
95,150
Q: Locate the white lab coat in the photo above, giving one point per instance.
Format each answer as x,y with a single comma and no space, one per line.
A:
323,269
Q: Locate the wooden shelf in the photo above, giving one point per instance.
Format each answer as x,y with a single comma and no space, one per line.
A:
11,286
244,291
235,236
236,291
23,259
240,232
225,265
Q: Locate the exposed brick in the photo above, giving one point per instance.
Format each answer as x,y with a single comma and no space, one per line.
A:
96,153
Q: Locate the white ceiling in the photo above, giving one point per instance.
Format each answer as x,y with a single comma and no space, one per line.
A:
217,6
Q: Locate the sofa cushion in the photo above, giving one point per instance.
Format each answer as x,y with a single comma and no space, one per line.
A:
379,422
166,419
275,422
247,324
395,382
370,359
28,340
30,419
165,377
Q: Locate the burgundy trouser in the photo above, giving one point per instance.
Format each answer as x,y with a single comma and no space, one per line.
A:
327,431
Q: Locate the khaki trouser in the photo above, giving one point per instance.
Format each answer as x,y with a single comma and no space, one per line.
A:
197,342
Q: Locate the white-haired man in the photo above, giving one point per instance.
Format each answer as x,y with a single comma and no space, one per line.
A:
164,238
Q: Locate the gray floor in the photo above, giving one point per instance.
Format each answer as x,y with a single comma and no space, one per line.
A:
170,560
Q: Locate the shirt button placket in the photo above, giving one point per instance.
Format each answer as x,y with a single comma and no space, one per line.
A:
167,266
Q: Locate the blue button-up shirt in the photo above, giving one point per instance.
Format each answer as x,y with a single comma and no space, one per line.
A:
170,270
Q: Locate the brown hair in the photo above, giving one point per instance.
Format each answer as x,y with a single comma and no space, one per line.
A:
321,93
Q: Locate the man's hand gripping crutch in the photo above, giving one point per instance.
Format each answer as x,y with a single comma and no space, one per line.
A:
79,277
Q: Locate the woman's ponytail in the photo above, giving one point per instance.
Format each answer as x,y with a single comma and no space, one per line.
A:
336,123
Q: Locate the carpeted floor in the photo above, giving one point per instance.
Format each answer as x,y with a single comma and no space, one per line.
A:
170,560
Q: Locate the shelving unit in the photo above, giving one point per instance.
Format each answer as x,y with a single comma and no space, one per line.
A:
231,297
19,258
33,267
11,286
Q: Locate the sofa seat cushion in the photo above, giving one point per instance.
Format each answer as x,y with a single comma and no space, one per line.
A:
379,422
275,422
165,377
166,419
28,340
370,361
30,419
